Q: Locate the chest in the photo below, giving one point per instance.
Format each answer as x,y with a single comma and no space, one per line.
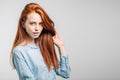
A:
35,57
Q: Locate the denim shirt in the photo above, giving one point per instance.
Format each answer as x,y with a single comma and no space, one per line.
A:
29,64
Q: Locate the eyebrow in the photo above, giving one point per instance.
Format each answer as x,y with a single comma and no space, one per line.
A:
35,21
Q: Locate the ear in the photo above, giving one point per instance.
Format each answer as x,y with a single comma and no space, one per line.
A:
23,25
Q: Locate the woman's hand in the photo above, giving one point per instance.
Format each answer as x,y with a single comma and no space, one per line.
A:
57,39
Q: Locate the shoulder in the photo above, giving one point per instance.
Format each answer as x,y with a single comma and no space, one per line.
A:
18,48
18,51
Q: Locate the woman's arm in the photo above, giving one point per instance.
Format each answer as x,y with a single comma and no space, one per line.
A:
64,67
21,67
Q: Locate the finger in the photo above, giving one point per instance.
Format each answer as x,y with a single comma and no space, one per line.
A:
53,38
57,35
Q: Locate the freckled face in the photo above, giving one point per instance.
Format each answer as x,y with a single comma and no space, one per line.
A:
33,25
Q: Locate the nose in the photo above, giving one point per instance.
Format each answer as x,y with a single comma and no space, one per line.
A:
36,27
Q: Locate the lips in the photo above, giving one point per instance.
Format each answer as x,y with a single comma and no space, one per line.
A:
35,32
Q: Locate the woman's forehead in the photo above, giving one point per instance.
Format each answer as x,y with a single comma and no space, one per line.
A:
34,17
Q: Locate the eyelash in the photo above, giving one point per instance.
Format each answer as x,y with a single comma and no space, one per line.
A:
41,23
34,23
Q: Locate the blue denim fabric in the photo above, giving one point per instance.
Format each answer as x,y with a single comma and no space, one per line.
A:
29,64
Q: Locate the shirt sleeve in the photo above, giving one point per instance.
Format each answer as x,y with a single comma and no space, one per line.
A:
64,67
21,66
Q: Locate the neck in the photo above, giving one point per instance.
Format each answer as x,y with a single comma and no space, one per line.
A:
32,42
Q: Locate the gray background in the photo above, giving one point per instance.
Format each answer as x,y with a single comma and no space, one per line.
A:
90,30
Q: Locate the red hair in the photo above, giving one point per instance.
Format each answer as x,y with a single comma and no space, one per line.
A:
45,40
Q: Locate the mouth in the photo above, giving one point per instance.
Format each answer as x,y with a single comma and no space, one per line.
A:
35,33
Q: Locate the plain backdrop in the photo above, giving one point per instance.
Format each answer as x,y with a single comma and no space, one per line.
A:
90,30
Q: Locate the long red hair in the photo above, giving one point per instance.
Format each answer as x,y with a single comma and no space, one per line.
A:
45,40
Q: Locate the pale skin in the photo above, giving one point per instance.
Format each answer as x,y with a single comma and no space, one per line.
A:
34,28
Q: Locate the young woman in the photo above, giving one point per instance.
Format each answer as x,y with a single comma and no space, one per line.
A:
33,53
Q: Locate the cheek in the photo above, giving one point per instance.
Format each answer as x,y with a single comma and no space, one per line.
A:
41,28
28,30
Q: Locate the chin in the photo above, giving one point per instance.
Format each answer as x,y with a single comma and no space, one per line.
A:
35,37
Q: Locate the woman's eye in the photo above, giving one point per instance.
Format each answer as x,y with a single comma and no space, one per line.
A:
32,23
40,23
